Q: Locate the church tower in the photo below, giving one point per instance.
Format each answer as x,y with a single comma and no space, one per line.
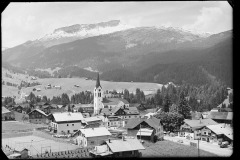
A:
98,96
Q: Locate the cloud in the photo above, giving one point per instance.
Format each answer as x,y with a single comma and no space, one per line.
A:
29,23
208,18
212,19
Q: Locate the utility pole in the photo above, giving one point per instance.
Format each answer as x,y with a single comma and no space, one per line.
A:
140,133
198,147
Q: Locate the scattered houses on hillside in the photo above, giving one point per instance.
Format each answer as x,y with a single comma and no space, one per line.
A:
91,136
191,129
38,116
150,128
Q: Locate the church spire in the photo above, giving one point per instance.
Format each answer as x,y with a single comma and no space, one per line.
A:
98,82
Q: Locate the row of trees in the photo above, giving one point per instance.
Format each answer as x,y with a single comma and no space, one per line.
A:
27,84
8,101
172,116
9,84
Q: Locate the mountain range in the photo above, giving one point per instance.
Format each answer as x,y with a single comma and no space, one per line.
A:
126,53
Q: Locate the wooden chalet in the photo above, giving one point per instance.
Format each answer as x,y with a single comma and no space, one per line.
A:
38,116
146,128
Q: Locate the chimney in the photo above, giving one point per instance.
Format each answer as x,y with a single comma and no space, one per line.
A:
109,140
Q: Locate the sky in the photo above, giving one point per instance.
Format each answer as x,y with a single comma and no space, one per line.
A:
23,21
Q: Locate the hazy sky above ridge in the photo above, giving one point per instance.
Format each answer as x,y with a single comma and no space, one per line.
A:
23,21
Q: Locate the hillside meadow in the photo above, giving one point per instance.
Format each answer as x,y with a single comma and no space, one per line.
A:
67,86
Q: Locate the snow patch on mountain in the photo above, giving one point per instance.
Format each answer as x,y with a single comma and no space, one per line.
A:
49,70
84,31
90,69
130,45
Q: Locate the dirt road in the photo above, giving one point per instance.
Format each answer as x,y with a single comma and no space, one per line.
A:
213,148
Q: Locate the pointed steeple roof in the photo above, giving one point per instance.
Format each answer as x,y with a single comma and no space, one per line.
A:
98,82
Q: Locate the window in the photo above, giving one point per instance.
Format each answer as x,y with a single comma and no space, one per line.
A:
67,124
92,142
72,124
68,131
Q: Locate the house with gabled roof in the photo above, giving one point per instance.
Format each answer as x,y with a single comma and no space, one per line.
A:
38,116
118,148
151,124
222,117
191,129
6,114
118,116
212,133
66,122
115,102
86,137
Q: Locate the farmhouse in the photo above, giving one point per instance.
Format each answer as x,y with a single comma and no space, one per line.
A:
23,152
191,129
6,114
196,115
118,116
18,108
48,108
66,122
92,122
38,116
57,87
214,110
115,102
118,148
92,136
38,89
146,128
212,133
222,117
86,108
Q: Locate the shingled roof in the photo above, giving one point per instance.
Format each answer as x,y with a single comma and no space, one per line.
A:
134,122
98,82
220,115
5,110
199,123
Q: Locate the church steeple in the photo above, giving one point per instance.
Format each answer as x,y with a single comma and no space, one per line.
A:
98,82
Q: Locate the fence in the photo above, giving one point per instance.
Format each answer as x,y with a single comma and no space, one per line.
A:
19,134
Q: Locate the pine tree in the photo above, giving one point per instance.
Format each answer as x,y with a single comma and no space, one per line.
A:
183,107
167,103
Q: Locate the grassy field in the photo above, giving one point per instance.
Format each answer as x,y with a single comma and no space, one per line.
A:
171,149
37,145
15,126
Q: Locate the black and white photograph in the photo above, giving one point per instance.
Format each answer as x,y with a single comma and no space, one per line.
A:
143,79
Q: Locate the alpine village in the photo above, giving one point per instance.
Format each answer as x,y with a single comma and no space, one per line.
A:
110,90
